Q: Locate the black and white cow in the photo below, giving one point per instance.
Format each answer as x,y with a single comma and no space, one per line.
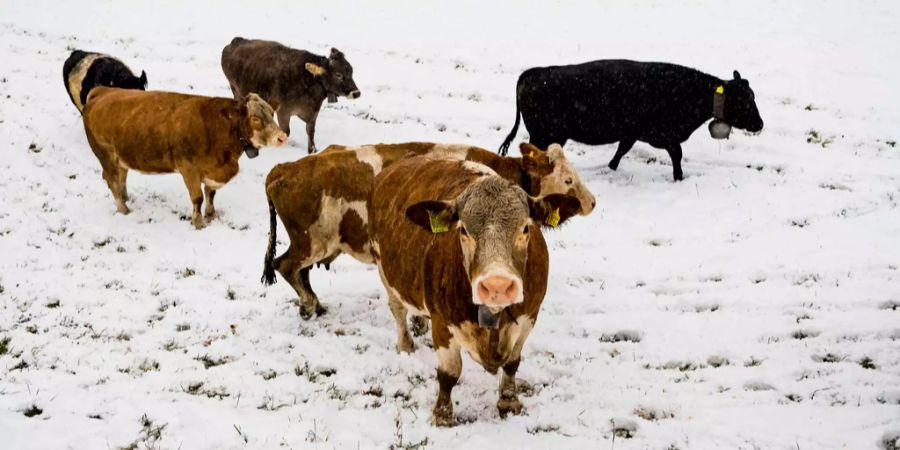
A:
84,71
606,101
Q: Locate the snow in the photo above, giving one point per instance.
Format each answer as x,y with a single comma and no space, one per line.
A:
735,309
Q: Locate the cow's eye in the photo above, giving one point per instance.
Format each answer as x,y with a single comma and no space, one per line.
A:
569,181
339,76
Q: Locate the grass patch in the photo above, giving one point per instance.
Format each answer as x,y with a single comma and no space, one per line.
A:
4,345
621,336
32,411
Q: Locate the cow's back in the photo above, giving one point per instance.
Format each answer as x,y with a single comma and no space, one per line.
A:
600,102
152,131
267,68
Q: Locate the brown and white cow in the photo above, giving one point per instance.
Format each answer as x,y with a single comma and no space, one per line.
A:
458,243
322,200
201,138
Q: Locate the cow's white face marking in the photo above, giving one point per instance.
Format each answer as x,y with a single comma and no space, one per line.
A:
76,77
565,179
367,154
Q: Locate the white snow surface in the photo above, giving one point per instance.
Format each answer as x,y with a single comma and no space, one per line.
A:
736,309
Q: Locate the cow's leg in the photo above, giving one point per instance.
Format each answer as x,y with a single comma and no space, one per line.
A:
624,146
311,305
398,309
675,155
449,368
294,268
284,119
193,183
509,396
311,133
116,177
210,194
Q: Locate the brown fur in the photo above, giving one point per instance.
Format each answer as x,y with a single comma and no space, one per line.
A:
429,273
296,190
163,132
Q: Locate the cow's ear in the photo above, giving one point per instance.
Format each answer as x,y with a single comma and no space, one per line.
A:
433,216
335,53
143,79
737,75
555,153
315,69
534,159
274,104
554,209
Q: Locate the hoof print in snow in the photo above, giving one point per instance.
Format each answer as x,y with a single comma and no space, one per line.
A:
891,305
622,336
651,414
659,242
753,362
794,398
716,361
758,386
891,441
867,363
828,358
623,428
545,428
800,223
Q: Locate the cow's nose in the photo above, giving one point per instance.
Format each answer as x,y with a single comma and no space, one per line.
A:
497,291
354,94
282,138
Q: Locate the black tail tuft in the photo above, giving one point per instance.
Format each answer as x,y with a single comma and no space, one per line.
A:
504,147
268,277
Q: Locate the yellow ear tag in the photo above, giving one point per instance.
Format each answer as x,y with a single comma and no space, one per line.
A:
531,154
720,89
553,218
438,224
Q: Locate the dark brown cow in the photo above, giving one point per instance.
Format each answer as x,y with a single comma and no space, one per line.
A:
297,79
322,200
201,138
458,243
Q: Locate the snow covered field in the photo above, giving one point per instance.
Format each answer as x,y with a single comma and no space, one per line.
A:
756,305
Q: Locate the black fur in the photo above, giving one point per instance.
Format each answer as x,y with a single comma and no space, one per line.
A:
606,101
268,277
104,71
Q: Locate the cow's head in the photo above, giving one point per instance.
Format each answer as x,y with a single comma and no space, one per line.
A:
133,82
740,105
256,120
554,174
336,76
493,221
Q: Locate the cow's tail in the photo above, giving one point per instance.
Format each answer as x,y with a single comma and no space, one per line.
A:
268,276
504,147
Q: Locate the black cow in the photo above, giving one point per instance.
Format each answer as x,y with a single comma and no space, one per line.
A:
606,101
84,71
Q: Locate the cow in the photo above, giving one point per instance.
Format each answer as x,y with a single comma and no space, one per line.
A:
297,79
322,201
84,71
606,101
459,243
199,137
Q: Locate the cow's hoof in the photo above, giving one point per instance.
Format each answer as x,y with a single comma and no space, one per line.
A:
308,311
320,309
613,166
198,223
507,406
419,325
679,178
211,215
442,416
123,210
312,150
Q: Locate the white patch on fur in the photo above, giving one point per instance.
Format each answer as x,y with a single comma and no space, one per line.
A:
325,238
396,294
213,184
512,338
449,359
367,154
475,167
450,151
76,77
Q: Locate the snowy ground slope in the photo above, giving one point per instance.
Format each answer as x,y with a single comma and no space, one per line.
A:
754,305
